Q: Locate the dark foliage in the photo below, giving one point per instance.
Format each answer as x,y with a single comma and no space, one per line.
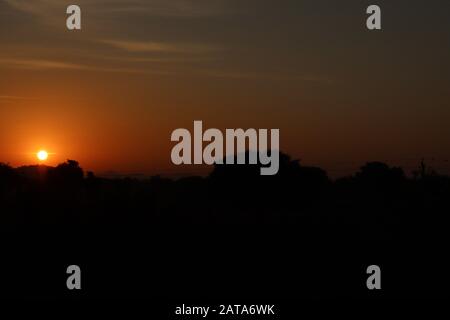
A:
279,236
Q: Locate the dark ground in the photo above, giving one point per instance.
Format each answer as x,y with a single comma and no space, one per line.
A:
233,236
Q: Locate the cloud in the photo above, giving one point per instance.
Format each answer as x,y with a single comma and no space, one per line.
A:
42,8
98,39
36,65
148,46
39,64
174,8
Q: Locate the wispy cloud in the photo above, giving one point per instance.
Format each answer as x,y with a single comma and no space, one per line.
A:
176,8
148,46
99,41
213,73
39,64
36,7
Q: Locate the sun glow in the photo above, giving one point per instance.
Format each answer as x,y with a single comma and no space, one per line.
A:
42,155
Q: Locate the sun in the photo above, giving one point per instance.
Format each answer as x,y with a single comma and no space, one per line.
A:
42,155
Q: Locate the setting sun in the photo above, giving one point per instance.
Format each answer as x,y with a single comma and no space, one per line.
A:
42,155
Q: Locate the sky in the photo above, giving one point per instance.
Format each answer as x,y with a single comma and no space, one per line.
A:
110,95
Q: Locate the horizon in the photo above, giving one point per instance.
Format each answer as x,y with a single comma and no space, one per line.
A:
206,170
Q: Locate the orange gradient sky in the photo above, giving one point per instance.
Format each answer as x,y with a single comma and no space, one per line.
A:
110,95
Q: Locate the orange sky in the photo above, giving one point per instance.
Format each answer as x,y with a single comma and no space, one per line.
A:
110,95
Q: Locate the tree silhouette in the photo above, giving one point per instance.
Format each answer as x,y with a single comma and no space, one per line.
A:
287,228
